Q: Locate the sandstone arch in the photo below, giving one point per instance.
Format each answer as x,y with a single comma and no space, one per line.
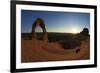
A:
39,22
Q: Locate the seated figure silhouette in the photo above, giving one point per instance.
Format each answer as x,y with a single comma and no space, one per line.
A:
39,22
84,34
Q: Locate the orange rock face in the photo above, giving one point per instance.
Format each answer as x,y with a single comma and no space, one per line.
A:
41,51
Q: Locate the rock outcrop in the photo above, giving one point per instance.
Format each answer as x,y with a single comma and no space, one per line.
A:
39,22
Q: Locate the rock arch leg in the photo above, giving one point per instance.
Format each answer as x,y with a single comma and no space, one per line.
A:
33,34
45,36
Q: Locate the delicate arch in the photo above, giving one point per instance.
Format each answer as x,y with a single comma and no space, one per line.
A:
39,22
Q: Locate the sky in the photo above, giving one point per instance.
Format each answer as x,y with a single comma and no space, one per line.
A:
63,22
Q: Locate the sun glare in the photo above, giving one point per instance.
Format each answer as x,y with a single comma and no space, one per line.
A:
74,30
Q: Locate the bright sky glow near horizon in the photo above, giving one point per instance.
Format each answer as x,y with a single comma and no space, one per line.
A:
63,22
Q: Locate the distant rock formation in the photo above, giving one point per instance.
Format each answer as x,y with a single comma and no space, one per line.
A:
84,34
39,22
